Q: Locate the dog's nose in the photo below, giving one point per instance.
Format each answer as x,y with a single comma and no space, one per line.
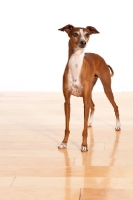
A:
83,42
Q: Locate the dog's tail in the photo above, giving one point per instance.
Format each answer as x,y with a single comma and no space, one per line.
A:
112,72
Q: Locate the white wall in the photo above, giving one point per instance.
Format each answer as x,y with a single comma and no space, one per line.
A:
33,53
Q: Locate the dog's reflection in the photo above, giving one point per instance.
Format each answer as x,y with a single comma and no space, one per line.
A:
102,177
67,174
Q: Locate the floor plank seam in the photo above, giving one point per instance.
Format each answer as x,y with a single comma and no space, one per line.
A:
80,194
12,182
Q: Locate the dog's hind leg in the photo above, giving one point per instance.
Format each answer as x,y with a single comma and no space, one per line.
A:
106,81
110,96
92,103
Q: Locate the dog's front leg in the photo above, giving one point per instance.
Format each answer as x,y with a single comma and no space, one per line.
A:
86,100
67,119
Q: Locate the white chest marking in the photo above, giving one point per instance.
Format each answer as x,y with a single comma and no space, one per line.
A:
75,64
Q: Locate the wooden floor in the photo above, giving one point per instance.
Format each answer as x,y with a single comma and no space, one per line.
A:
32,167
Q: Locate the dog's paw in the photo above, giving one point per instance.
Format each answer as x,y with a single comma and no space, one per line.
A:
84,148
62,146
118,125
118,128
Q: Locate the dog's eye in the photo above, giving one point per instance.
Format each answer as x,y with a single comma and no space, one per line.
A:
87,35
75,34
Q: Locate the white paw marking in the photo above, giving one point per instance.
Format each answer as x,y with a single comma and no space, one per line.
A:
90,124
118,125
118,128
90,120
62,146
84,148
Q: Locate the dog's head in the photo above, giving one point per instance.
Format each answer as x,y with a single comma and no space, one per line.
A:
78,36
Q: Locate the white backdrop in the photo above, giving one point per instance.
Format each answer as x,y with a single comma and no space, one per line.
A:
33,53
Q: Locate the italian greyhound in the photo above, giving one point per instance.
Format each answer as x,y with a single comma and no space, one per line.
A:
80,76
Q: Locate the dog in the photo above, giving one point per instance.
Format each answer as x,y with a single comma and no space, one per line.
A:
80,76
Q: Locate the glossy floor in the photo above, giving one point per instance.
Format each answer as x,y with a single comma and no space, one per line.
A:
32,167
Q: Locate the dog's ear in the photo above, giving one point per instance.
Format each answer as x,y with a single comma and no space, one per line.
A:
67,28
92,30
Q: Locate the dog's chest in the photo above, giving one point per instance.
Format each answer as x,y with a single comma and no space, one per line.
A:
75,65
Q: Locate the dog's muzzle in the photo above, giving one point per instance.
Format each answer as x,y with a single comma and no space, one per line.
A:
82,43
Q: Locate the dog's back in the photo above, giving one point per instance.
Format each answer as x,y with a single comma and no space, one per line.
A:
96,65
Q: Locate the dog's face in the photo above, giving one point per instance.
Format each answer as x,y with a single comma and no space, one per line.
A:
79,36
